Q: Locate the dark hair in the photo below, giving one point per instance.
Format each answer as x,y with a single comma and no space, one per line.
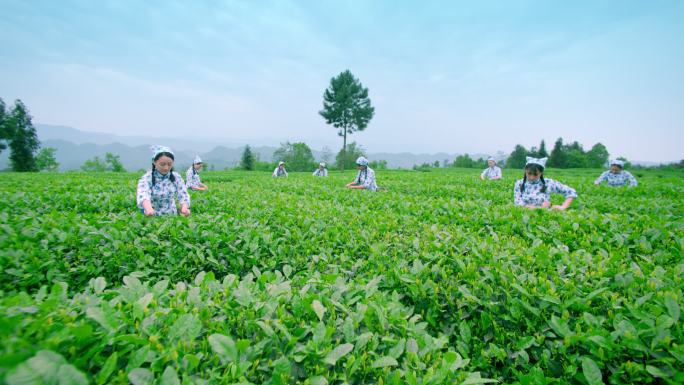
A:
156,157
536,169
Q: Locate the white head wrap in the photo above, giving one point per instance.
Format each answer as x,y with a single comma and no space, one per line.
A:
156,150
539,161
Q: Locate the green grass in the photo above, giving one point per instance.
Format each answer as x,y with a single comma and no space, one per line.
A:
439,279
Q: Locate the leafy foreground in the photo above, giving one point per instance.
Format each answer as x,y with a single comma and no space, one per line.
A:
263,328
440,280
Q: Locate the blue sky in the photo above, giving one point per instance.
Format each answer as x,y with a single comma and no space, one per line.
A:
453,76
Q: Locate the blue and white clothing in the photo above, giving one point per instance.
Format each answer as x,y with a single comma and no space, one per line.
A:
192,178
279,172
321,172
491,172
366,178
533,194
161,195
622,178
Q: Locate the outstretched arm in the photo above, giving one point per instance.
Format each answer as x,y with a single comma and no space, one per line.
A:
565,204
601,178
144,196
632,179
568,192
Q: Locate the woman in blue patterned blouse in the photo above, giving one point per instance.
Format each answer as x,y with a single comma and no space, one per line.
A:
280,170
617,176
492,172
534,191
158,187
321,170
365,178
192,178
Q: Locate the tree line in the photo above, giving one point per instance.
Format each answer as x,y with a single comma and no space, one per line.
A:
562,155
299,157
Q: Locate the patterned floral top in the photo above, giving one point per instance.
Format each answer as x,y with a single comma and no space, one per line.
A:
161,195
319,172
533,194
279,172
192,179
622,178
491,172
366,178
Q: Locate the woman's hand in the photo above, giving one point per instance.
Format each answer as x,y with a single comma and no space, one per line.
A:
185,211
147,208
565,204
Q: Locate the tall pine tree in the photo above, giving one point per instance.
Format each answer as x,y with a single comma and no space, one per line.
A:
23,139
346,106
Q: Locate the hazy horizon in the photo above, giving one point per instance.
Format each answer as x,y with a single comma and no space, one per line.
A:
472,77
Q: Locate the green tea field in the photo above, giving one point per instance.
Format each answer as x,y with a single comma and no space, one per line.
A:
440,279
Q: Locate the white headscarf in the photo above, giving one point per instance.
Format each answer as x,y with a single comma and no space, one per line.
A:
617,162
362,161
156,150
539,161
197,160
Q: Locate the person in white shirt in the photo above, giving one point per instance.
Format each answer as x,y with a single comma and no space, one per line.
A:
617,176
159,188
280,170
192,178
365,178
321,170
493,172
534,191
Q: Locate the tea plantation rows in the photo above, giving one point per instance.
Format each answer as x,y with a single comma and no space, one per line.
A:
438,280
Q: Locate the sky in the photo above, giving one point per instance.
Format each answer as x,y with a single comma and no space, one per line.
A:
443,76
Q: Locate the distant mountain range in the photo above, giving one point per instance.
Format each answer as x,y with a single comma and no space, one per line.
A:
74,147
